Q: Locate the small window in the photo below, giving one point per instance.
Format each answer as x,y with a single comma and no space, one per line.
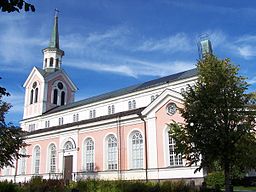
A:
31,96
109,110
92,113
36,95
68,145
57,63
75,117
61,121
152,98
55,96
129,105
133,104
62,98
51,62
45,62
47,124
31,127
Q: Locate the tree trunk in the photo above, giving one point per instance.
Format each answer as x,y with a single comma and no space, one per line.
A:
228,186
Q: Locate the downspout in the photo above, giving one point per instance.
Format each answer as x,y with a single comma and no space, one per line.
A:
119,148
146,144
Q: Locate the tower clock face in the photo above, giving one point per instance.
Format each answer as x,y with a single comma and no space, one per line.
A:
171,109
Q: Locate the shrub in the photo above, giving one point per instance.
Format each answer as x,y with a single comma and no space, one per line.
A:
6,186
215,179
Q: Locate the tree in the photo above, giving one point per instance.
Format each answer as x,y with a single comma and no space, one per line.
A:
219,127
15,5
11,137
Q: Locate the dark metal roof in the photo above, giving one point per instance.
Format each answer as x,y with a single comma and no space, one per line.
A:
97,119
130,89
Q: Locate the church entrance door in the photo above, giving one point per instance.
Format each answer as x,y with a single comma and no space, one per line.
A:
68,168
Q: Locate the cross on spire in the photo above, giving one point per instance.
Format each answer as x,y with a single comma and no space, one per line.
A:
56,12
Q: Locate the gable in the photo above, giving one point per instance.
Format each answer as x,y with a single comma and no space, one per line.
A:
34,75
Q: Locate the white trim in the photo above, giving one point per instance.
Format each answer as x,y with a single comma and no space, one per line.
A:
129,148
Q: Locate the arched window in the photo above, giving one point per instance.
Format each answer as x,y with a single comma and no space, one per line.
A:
36,159
51,61
109,110
129,105
22,162
31,96
111,152
52,155
59,93
36,95
133,104
174,159
89,154
45,62
57,63
68,145
136,150
55,96
62,98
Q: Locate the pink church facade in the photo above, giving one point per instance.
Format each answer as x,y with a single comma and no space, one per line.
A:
122,134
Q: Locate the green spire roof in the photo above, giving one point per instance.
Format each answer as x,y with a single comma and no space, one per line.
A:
54,42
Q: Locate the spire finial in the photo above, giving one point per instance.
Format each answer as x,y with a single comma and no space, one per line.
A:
56,12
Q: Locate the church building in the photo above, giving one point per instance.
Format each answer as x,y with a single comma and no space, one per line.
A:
122,134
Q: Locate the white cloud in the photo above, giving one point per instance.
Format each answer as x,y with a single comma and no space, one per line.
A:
175,43
17,101
135,67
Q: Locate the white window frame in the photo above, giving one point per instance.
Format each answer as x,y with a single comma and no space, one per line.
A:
36,159
89,154
111,152
22,162
136,155
52,158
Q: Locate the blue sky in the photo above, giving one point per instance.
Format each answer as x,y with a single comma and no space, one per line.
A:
110,44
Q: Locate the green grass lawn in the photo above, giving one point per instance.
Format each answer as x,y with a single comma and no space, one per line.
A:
244,188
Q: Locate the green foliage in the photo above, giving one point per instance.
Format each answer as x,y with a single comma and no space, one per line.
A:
15,6
215,179
37,184
8,187
91,185
218,126
11,137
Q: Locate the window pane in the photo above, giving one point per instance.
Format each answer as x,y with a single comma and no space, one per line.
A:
137,150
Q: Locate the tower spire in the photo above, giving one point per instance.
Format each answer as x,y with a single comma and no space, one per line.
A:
53,54
54,42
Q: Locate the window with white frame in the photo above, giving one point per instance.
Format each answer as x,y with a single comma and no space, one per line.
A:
111,109
8,170
47,124
111,152
92,114
131,104
22,162
61,121
52,160
136,150
89,154
68,145
34,93
175,159
31,127
36,159
59,93
76,117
